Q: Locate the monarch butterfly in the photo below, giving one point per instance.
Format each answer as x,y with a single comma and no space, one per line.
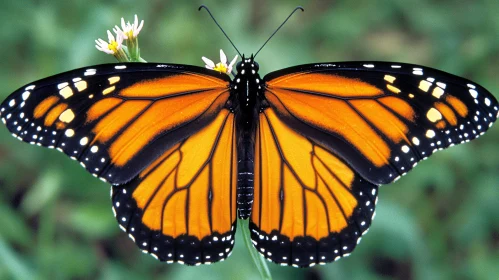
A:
300,152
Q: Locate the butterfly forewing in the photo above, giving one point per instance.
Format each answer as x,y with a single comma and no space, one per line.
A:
116,119
381,118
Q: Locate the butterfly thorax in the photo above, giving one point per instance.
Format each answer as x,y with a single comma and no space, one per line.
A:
246,94
246,87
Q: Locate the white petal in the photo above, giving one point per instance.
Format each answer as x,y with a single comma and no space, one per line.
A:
136,23
139,28
101,43
119,39
123,24
223,58
110,36
104,48
233,61
208,62
118,31
136,29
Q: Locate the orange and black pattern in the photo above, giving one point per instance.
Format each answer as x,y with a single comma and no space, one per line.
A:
381,118
115,119
154,131
309,206
301,152
182,207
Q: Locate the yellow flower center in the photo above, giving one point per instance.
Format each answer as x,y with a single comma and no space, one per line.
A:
220,68
129,34
113,46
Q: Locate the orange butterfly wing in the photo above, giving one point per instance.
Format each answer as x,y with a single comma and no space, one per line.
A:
160,134
309,206
116,119
330,133
182,207
381,118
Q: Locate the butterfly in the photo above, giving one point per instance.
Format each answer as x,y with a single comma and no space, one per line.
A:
300,152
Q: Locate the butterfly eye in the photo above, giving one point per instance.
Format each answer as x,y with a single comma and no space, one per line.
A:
257,66
238,66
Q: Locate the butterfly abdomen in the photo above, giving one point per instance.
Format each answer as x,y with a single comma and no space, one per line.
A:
245,177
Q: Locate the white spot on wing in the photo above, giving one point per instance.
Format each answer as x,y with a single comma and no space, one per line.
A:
442,85
473,93
84,141
25,95
90,72
62,85
67,116
94,149
405,149
69,133
81,85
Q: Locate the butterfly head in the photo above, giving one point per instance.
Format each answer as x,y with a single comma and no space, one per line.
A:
247,66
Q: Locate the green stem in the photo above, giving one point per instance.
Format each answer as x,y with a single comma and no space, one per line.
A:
140,59
133,49
258,259
121,55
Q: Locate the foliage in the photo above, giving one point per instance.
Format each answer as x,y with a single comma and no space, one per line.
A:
439,222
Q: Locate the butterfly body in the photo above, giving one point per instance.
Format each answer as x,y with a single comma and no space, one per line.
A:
246,90
299,152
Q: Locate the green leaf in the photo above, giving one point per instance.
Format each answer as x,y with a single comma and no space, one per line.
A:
14,263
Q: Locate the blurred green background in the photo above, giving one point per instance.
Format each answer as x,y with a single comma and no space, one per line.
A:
439,222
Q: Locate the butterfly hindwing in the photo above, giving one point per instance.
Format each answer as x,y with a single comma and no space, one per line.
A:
182,207
309,206
117,118
381,118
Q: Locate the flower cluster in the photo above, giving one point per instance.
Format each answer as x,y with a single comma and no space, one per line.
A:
129,52
129,32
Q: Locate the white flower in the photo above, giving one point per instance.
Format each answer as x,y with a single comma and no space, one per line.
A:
114,45
222,66
129,30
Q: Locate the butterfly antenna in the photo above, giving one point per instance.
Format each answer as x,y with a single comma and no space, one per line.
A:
296,9
206,8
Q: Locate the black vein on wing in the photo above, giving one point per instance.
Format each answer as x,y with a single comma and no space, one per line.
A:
198,172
